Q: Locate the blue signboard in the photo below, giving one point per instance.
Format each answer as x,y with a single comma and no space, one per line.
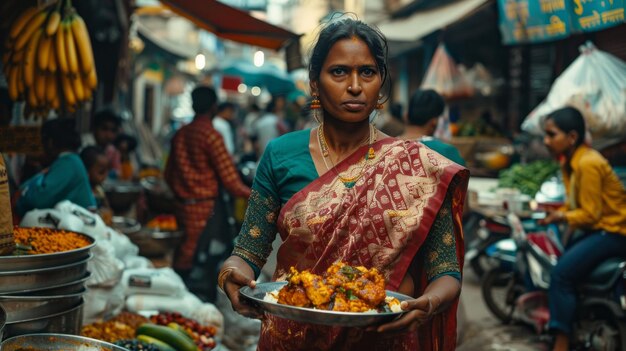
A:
592,15
523,21
534,21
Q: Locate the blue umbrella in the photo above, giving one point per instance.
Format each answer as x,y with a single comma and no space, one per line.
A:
275,80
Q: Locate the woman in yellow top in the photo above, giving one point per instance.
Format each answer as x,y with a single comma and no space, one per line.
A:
595,205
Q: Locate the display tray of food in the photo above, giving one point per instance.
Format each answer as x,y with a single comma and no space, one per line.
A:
342,296
165,331
64,322
57,342
39,247
53,289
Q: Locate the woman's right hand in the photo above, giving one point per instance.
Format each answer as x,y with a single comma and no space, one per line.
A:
234,280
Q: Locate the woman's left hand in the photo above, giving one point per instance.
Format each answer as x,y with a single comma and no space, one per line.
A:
419,311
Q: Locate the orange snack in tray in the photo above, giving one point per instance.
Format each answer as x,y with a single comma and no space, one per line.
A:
342,288
39,240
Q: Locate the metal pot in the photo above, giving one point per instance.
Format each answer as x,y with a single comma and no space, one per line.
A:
68,321
57,342
55,289
126,225
155,243
20,307
159,197
32,279
121,195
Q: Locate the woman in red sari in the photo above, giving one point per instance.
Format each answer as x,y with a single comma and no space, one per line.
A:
346,192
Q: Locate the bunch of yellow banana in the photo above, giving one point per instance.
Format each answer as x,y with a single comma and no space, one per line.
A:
48,60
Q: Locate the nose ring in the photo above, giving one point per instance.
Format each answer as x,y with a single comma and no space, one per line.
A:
349,87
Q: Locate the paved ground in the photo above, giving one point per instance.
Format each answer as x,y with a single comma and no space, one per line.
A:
480,331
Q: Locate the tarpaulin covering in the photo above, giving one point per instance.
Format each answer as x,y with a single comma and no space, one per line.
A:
230,23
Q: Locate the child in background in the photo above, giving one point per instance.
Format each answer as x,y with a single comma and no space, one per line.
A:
125,144
97,166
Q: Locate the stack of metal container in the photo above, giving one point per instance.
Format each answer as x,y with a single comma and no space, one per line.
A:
44,292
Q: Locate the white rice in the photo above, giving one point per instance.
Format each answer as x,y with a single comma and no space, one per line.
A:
393,303
271,296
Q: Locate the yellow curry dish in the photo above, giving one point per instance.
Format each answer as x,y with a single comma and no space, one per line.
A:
342,288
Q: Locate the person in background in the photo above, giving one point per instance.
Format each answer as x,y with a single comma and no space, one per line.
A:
271,125
126,145
197,165
222,124
595,208
425,108
346,192
394,122
106,127
96,164
66,177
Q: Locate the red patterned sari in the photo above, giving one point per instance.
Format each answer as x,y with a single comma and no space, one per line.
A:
382,221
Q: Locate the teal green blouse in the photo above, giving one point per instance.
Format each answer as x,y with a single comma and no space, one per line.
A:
285,168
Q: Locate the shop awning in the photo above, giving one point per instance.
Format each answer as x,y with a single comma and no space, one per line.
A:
424,22
230,23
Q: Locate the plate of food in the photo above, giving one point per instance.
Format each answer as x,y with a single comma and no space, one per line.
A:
343,296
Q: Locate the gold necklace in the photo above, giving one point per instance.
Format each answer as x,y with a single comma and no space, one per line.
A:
348,182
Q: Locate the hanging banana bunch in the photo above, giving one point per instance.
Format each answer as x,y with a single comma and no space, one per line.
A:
48,60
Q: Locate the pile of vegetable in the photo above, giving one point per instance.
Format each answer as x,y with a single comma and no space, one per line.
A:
528,177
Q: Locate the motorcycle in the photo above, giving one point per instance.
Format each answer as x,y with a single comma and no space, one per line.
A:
521,294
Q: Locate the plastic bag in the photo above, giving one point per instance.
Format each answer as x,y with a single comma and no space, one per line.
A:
184,304
106,269
595,84
92,223
444,77
137,262
121,243
51,218
102,303
161,281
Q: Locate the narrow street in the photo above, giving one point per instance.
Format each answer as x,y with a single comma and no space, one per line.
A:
481,331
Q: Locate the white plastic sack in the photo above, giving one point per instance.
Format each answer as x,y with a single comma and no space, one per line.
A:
106,269
102,303
51,218
153,281
184,304
137,262
595,84
121,243
92,223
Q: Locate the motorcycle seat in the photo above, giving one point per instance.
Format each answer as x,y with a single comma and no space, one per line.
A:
602,277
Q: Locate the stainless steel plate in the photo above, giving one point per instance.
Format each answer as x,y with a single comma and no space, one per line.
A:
310,315
54,289
23,307
21,280
28,262
57,342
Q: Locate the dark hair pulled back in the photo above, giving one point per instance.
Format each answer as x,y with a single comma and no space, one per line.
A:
569,119
346,28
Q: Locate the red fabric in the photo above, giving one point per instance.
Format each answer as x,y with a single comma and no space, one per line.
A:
197,164
397,199
198,159
192,220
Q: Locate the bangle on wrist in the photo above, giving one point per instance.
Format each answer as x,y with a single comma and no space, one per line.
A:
221,278
434,302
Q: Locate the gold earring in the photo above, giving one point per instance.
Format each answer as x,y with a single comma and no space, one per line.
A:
315,102
379,105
